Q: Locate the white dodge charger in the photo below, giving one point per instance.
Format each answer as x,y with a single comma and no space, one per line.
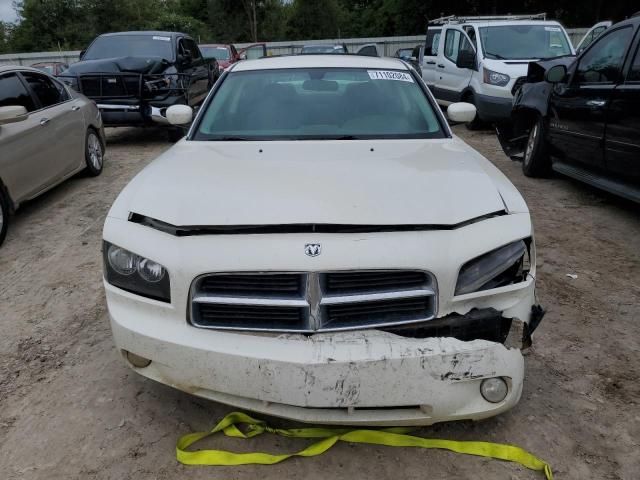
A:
321,247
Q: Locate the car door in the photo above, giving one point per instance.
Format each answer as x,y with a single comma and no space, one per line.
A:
622,137
450,81
430,56
61,132
197,70
577,110
21,154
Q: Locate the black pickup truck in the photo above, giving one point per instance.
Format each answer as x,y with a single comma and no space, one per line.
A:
135,76
580,116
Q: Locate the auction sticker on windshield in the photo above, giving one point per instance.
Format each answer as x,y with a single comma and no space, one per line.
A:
164,39
389,75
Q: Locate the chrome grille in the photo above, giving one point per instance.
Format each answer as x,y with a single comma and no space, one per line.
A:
313,301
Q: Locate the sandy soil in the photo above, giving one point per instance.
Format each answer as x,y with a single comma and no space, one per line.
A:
69,407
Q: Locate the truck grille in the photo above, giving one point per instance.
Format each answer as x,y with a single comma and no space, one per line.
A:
312,302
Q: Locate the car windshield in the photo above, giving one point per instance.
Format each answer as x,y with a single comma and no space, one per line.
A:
319,103
323,49
114,46
219,53
518,42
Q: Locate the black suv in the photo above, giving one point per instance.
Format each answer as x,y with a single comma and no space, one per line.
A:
580,116
135,76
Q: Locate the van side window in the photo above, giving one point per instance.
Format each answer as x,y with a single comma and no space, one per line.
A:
13,93
602,62
431,43
452,45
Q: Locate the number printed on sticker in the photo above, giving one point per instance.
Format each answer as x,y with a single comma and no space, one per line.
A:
389,75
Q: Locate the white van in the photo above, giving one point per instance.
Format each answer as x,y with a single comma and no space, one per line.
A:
484,60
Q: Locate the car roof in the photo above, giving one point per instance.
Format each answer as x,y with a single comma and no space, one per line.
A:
221,45
21,68
320,61
146,32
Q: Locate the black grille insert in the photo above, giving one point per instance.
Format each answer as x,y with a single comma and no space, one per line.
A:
251,316
374,281
261,285
378,312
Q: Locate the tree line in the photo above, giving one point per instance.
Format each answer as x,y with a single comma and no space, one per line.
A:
46,25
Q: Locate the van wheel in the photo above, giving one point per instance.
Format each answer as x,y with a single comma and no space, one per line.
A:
536,161
94,154
476,124
4,215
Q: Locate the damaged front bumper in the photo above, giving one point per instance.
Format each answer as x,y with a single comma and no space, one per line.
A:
368,377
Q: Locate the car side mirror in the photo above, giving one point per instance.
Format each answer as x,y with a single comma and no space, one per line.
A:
179,115
243,56
466,59
461,112
82,52
13,114
556,74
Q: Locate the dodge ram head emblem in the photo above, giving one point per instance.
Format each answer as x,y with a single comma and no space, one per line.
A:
312,249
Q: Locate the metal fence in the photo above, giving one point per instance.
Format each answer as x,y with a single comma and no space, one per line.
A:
387,46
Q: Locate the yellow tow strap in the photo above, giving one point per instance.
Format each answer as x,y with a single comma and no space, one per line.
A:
392,437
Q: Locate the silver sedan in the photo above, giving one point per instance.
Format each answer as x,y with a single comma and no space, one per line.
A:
48,133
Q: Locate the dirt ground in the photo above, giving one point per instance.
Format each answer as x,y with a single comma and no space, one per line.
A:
70,408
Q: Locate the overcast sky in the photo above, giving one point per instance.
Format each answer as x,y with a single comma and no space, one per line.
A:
7,14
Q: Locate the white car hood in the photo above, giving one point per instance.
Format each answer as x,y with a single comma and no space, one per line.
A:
386,182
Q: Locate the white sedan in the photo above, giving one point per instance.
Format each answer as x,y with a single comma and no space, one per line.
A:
321,247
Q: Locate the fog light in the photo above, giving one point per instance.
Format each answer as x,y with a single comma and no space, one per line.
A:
138,361
494,390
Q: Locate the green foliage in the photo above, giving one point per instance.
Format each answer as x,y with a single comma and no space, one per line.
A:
72,24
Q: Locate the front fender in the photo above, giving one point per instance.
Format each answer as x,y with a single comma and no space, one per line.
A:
530,102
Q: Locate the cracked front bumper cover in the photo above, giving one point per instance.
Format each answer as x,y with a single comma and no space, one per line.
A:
365,377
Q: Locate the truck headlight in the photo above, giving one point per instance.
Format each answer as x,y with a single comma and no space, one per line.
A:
495,78
135,274
503,266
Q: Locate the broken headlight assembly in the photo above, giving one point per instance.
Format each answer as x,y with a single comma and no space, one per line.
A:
135,274
500,267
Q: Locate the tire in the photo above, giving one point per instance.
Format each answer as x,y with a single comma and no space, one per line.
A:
93,153
4,215
476,124
536,161
175,134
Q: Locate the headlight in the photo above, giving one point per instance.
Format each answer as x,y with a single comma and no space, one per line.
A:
495,78
504,266
135,274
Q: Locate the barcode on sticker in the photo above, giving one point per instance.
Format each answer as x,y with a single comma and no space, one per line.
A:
389,75
164,39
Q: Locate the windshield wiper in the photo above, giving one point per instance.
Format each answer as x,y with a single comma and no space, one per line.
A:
229,139
495,55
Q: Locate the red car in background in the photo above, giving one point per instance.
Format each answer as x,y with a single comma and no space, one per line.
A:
226,54
52,68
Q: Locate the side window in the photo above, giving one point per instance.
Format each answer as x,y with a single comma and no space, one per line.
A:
44,88
452,44
431,43
193,48
602,62
415,53
471,33
634,73
13,93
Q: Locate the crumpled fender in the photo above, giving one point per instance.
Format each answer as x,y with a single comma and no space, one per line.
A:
530,101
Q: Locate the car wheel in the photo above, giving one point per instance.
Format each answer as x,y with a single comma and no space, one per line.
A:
536,162
4,216
94,154
476,124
